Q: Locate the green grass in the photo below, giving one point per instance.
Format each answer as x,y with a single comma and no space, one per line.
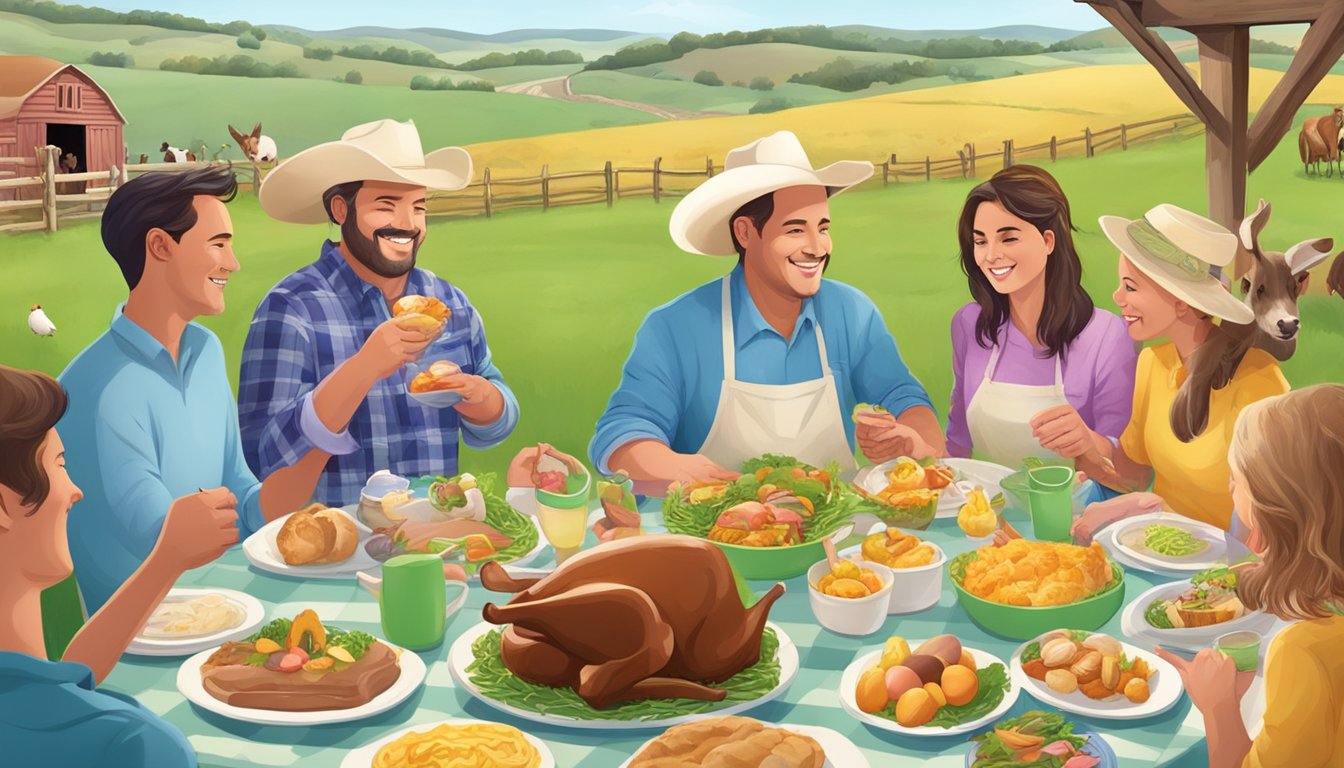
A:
563,292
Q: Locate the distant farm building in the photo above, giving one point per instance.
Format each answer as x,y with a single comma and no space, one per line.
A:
43,101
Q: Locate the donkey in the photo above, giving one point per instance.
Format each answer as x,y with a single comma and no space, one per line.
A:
1272,288
257,148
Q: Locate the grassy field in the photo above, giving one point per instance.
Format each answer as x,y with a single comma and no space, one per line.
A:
685,94
565,290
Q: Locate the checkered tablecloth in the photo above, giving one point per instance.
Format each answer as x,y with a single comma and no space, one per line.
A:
1175,738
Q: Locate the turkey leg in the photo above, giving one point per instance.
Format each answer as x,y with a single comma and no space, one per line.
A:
496,579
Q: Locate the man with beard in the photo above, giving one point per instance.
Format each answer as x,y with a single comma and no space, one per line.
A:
770,359
324,374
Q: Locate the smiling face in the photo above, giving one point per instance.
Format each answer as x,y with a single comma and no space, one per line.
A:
36,538
385,227
197,267
793,247
1011,252
1148,309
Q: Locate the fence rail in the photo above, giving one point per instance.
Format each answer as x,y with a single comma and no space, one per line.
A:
491,194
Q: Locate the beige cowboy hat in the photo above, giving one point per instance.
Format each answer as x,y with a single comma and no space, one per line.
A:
385,150
1175,248
700,221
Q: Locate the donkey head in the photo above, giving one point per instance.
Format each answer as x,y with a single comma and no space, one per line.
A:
1275,279
247,142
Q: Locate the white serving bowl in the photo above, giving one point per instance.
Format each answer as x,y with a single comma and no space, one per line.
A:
850,616
913,589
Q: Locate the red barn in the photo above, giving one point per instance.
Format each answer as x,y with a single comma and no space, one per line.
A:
43,101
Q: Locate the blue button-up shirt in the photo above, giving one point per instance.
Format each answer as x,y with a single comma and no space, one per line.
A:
313,321
670,385
141,431
50,714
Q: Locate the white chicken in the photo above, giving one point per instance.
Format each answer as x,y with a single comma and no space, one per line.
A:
40,323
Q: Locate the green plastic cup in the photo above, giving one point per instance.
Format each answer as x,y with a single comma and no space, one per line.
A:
1243,648
1051,502
413,601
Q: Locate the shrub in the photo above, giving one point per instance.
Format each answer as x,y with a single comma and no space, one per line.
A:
320,53
422,83
259,33
764,106
476,85
426,83
395,55
111,59
236,66
762,84
520,58
246,40
705,77
353,77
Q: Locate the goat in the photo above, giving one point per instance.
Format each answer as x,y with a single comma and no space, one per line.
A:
144,158
1272,288
175,155
256,148
1319,140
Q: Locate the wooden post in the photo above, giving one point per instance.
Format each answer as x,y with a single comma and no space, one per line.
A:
972,146
610,183
886,170
709,167
1007,152
545,187
1124,138
1054,149
895,172
1087,139
616,182
928,168
47,155
485,187
125,176
1224,65
657,179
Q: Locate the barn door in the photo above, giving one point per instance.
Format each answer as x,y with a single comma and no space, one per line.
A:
104,147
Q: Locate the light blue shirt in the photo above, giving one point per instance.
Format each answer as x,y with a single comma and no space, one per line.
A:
50,714
141,431
670,385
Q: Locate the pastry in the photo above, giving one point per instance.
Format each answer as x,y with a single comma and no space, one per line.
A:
730,742
317,535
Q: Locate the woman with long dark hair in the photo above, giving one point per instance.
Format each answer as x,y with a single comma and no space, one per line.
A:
1039,371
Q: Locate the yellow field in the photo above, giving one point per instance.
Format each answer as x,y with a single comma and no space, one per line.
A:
934,121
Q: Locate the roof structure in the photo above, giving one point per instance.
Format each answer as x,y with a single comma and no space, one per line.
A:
21,76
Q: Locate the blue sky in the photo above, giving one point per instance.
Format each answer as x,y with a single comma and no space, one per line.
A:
660,16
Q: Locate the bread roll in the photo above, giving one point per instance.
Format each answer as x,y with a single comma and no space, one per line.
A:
317,535
730,742
346,535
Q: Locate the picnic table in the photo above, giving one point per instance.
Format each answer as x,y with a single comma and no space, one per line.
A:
1174,738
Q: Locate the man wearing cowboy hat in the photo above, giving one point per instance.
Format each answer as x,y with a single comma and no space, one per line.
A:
770,359
323,386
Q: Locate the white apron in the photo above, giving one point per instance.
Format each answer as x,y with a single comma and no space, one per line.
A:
999,416
800,420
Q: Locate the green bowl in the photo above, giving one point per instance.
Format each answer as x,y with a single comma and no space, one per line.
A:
1025,622
910,518
773,563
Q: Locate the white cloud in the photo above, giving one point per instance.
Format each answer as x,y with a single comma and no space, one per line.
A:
690,14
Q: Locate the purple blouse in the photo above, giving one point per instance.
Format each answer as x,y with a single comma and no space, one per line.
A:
1098,372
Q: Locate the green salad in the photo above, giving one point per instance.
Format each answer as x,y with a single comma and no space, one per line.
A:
354,641
495,681
1207,589
1170,541
1004,746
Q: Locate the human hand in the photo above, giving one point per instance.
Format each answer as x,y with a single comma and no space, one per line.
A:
1103,513
690,468
197,529
391,345
1061,429
883,439
1212,680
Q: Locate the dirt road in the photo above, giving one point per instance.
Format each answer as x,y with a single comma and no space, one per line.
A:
559,88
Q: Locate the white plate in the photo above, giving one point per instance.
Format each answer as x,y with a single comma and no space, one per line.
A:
849,683
973,471
839,750
363,757
1190,639
1214,554
525,558
261,551
460,656
1164,689
190,686
253,616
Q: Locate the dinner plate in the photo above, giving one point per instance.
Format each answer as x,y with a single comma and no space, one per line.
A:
1121,538
849,683
363,757
839,750
1191,639
411,678
253,616
1164,688
262,552
460,657
973,471
1096,746
524,559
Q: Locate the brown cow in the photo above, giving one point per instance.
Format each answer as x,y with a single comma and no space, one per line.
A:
175,155
1319,140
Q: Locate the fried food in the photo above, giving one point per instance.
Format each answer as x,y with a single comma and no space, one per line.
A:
317,535
895,548
1037,573
421,305
436,378
729,742
479,745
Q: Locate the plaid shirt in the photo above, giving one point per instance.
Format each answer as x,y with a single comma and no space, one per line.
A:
319,317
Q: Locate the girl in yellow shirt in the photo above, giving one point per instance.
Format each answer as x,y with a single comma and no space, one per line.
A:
1285,458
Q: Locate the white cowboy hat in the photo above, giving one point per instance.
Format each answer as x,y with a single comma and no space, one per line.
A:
385,150
700,221
1175,248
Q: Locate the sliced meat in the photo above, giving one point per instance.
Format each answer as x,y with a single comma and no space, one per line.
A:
303,691
230,655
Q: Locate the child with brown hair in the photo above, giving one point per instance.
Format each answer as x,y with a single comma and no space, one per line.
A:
1287,462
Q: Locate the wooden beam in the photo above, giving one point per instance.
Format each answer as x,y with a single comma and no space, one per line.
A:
1224,69
1121,15
1189,14
1321,47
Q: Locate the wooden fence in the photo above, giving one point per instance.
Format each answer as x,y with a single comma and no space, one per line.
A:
492,194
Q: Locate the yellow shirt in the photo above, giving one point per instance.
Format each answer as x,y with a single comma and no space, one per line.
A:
1192,477
1304,698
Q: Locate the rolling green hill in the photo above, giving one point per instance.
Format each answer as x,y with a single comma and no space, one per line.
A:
1029,32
